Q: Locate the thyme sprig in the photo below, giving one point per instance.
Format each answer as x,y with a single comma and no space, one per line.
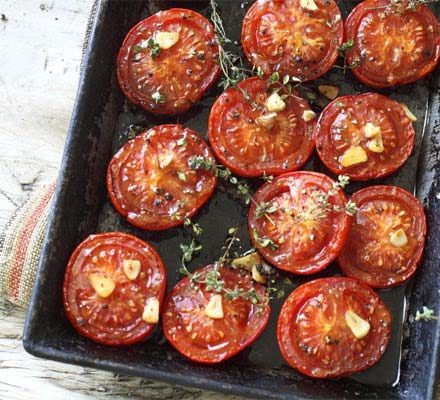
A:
318,202
242,188
427,314
213,281
342,49
230,64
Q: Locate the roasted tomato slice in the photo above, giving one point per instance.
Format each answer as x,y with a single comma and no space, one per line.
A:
113,288
293,37
298,222
251,140
168,61
332,327
209,327
150,182
393,43
365,137
387,237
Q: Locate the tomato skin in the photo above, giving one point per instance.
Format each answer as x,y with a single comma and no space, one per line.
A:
174,66
210,341
382,65
381,206
140,206
315,312
397,132
279,35
76,287
287,145
307,245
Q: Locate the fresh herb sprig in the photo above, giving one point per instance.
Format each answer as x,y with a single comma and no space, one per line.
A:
242,188
318,205
264,241
213,281
154,48
230,64
342,49
427,314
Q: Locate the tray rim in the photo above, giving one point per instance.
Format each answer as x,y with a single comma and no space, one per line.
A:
37,349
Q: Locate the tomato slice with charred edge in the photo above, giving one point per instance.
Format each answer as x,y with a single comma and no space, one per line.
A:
390,47
207,340
281,143
301,231
150,182
375,251
314,336
350,122
282,36
173,80
116,319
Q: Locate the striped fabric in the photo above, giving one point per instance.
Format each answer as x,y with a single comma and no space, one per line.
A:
20,246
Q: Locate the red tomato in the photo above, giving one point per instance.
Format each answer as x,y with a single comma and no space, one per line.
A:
116,319
313,333
300,232
250,143
373,253
207,340
283,36
349,122
150,182
390,47
173,80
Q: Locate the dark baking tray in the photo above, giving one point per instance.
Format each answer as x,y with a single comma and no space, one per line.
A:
99,127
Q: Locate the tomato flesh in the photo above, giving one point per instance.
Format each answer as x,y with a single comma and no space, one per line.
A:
117,319
206,340
305,235
392,48
150,182
250,149
313,334
369,254
172,81
282,36
342,126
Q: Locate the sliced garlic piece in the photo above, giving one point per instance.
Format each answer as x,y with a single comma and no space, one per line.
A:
329,91
275,103
247,262
399,238
266,120
353,155
131,268
308,5
165,159
214,308
256,276
151,311
166,40
358,326
371,130
102,285
308,115
376,144
408,112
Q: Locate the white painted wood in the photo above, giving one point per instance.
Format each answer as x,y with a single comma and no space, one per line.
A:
40,48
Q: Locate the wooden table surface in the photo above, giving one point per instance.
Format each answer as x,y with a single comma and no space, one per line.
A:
40,46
